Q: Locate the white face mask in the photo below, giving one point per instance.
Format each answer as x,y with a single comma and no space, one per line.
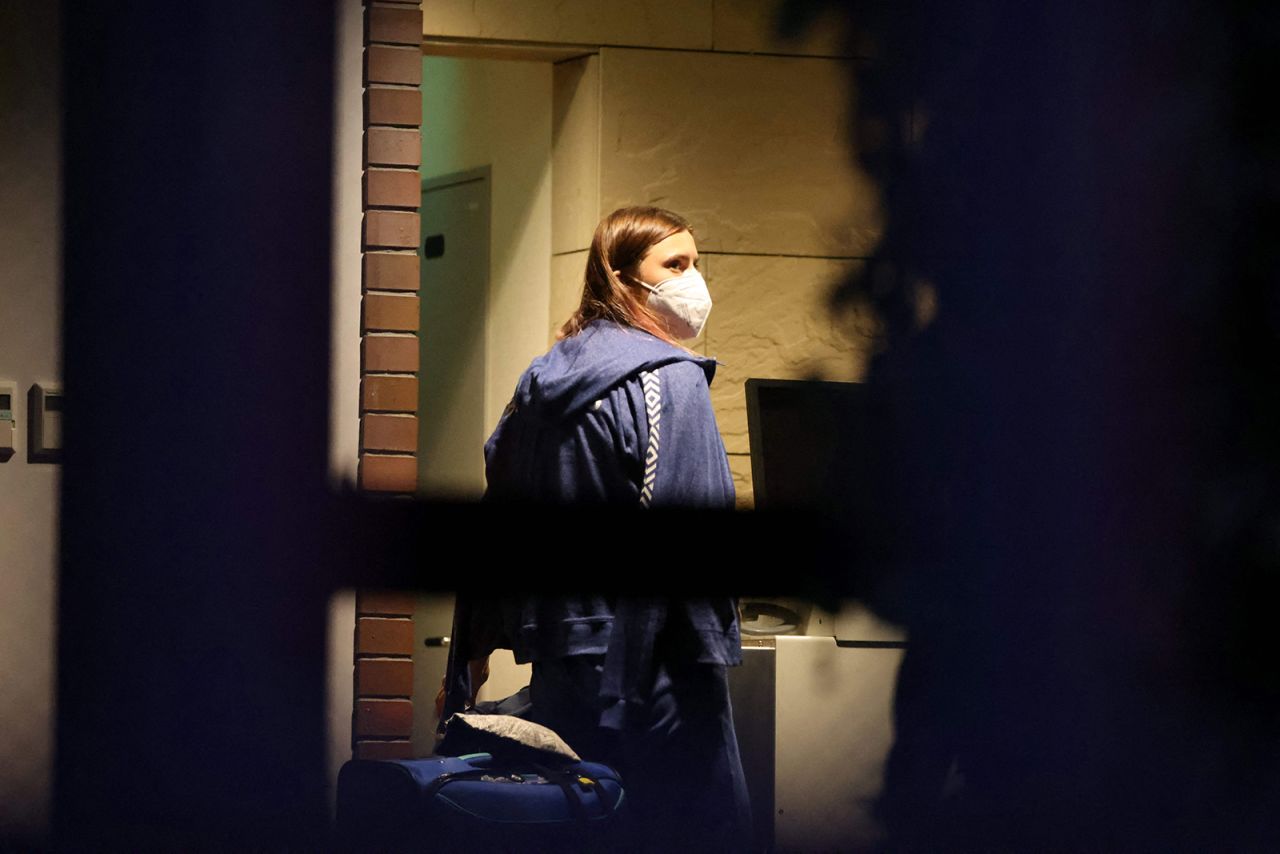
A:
683,301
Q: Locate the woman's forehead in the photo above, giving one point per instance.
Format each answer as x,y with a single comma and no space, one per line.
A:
680,243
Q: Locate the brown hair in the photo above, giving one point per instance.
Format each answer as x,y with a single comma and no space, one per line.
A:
620,243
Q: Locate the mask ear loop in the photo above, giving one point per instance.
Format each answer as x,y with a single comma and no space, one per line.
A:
628,277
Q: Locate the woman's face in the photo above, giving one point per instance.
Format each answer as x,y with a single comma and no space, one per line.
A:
668,258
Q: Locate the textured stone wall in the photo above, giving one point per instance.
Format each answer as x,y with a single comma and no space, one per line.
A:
744,26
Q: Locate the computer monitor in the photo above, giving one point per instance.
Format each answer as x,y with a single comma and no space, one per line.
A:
811,450
810,442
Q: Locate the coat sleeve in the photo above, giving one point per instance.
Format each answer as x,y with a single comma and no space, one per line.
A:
685,465
682,461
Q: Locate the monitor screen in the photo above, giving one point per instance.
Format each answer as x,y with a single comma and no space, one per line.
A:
811,442
815,447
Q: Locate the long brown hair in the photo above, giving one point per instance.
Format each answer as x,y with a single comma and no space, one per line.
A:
620,243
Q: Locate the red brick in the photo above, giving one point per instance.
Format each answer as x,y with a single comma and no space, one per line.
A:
392,188
389,433
384,750
391,271
387,106
389,313
390,353
392,147
388,474
387,718
384,677
389,394
395,25
384,636
391,602
391,229
384,64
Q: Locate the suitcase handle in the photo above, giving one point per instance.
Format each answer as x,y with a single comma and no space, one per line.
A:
566,780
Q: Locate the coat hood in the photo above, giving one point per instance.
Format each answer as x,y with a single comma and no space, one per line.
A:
580,369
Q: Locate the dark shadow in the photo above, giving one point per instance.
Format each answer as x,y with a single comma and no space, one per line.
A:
1079,303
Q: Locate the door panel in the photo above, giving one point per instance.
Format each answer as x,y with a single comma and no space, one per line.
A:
454,243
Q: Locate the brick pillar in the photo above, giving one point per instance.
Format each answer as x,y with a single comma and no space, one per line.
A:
383,715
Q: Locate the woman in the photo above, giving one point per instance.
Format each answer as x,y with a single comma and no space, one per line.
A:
619,412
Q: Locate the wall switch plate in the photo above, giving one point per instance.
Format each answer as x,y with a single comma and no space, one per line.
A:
8,419
44,440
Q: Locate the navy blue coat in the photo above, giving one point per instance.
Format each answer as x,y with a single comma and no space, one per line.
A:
612,415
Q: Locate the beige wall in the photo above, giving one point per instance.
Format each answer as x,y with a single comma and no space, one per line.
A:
721,25
30,352
480,112
348,167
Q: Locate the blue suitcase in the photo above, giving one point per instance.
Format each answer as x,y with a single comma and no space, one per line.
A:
477,803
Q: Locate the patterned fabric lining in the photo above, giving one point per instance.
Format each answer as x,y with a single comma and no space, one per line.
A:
653,406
